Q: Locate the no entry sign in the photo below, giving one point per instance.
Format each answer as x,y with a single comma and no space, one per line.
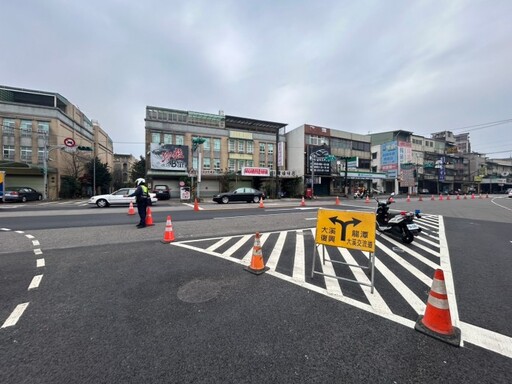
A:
69,142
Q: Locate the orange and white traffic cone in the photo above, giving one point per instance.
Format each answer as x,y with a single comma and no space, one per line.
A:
458,197
472,196
131,210
432,198
149,218
169,232
367,200
486,195
196,205
420,199
441,197
480,196
448,197
437,321
303,202
337,200
408,198
257,263
465,196
261,203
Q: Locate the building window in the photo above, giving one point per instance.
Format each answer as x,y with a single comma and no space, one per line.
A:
179,139
231,145
206,163
241,146
262,163
216,145
8,126
206,144
40,155
270,149
250,147
216,164
26,128
249,163
8,152
26,154
231,165
155,138
271,164
262,148
167,138
43,127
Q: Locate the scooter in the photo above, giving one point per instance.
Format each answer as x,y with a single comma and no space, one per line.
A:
359,194
400,226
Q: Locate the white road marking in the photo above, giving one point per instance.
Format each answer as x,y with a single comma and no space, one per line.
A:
299,263
20,232
237,245
487,339
40,263
276,252
29,236
218,244
35,243
15,315
38,251
5,229
248,256
36,280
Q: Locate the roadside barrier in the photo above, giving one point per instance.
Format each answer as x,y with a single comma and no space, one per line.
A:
131,210
149,217
169,232
257,266
437,321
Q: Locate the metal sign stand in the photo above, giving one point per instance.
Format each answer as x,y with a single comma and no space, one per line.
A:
370,267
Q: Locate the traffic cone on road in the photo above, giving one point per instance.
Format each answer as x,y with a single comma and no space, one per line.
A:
302,203
437,321
408,198
432,198
196,205
149,218
472,196
261,203
337,200
465,196
441,197
448,197
480,196
486,195
420,199
169,232
367,200
458,197
257,263
131,210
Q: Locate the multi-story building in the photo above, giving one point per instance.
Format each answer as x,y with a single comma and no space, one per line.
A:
123,165
215,152
38,130
329,161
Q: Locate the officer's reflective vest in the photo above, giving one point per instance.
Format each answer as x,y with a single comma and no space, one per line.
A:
144,191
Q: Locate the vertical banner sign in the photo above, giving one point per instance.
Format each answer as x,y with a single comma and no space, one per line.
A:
389,159
346,229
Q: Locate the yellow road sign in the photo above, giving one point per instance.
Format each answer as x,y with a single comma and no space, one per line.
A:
346,229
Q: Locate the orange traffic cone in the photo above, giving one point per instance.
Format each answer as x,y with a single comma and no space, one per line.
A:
257,263
337,200
420,199
472,196
149,218
169,232
196,205
480,196
448,197
432,198
261,203
367,200
465,196
437,321
441,197
486,195
458,197
131,210
302,203
408,198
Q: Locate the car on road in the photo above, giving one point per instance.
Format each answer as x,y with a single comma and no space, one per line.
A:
249,195
510,193
119,197
162,192
21,194
424,191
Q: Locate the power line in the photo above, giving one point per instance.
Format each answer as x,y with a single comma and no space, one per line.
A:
482,126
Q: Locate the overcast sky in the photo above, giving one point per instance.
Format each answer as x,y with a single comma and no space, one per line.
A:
358,66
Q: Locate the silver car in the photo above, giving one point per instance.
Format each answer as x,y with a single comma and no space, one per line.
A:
119,197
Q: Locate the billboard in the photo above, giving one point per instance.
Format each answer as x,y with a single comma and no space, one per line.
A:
318,160
389,158
169,157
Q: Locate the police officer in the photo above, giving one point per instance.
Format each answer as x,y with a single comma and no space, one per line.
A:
141,199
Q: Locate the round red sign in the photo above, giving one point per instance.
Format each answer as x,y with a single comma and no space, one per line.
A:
69,142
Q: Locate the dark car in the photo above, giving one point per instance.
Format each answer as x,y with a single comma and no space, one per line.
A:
162,192
249,195
22,194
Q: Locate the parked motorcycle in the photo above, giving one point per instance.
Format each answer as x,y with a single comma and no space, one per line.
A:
400,226
359,195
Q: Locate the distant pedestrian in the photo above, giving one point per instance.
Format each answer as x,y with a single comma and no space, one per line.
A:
141,199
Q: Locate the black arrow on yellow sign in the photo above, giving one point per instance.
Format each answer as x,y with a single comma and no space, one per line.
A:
344,225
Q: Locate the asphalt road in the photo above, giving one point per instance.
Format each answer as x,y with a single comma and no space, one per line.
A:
116,305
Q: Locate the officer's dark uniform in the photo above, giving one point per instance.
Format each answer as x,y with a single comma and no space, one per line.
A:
141,199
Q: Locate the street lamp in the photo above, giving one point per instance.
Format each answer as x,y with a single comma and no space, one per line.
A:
196,141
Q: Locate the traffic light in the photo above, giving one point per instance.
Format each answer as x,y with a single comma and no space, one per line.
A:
84,148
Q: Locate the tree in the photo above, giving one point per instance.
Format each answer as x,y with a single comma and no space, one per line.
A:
99,173
139,169
74,183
